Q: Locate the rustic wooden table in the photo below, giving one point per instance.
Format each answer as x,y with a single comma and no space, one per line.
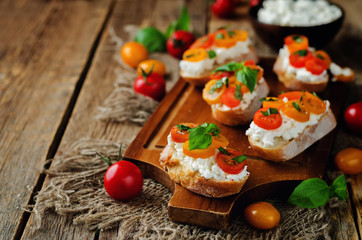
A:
57,66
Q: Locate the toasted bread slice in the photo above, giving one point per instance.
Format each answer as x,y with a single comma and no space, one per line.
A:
238,116
202,79
193,181
291,81
284,150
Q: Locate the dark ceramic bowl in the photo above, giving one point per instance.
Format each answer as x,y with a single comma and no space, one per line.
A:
274,35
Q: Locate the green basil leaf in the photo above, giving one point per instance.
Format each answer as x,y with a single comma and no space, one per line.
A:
296,106
238,94
218,84
240,159
183,23
248,77
339,188
226,79
230,33
198,139
266,113
230,67
320,56
267,100
224,151
315,95
213,129
311,193
211,54
301,97
183,127
301,53
273,110
219,36
152,39
297,38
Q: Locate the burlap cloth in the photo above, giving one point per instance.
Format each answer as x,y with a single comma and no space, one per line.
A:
76,182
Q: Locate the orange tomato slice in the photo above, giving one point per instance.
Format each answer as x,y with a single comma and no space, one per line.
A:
324,56
295,110
313,104
273,102
199,153
294,95
194,55
296,42
211,94
225,39
204,42
240,35
220,141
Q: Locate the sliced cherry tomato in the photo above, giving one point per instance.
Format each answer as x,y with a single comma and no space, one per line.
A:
195,55
273,121
324,56
227,164
249,63
298,59
225,39
295,110
349,161
211,94
220,141
204,42
199,153
312,103
296,42
273,102
219,75
228,97
262,215
179,135
294,95
315,65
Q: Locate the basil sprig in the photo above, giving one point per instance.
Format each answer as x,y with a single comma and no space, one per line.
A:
183,23
224,151
270,111
200,137
315,192
244,74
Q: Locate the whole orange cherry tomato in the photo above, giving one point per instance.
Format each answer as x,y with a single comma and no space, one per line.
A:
133,53
262,215
349,161
155,65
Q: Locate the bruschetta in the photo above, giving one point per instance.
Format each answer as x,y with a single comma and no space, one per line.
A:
213,50
234,92
299,67
197,158
289,124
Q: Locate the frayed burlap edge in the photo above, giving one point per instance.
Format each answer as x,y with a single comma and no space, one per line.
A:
75,189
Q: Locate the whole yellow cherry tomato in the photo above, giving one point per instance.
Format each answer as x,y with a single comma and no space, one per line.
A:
133,53
349,161
262,215
158,67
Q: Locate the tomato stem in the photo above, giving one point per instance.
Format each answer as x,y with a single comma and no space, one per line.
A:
107,160
146,74
119,153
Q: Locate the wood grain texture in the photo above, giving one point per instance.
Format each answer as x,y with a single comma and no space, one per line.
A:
44,48
100,83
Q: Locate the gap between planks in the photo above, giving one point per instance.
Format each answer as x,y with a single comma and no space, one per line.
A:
63,124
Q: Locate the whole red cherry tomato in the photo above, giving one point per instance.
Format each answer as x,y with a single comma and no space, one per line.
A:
223,8
179,42
151,84
353,117
123,181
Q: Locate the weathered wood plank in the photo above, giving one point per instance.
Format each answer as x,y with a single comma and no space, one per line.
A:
99,84
44,48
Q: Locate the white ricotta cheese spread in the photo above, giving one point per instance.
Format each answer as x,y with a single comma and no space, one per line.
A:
288,130
195,69
298,12
224,54
207,167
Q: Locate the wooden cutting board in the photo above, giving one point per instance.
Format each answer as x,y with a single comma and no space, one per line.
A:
185,104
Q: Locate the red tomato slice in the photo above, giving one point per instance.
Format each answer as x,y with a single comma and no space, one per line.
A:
228,98
203,42
179,135
315,65
219,75
249,63
228,165
273,121
298,59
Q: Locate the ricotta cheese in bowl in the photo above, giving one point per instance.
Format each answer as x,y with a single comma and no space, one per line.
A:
298,12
